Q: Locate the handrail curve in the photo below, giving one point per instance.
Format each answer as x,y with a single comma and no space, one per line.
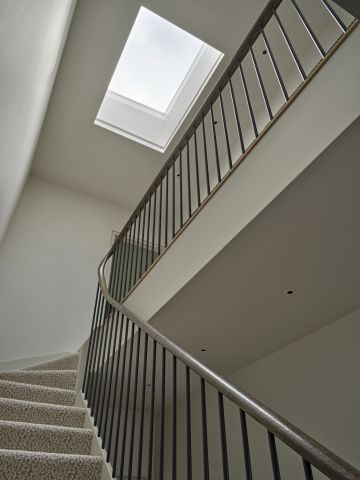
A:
312,451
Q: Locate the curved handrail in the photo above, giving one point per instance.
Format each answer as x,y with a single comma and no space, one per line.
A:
310,450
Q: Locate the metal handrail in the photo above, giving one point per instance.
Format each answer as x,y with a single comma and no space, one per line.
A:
309,449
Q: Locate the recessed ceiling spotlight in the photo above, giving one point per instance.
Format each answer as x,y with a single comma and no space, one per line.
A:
290,292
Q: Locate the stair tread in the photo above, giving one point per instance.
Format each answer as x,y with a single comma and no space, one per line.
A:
66,362
65,379
15,464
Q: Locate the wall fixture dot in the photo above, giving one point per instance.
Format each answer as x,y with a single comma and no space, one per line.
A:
290,292
203,349
264,52
149,384
215,122
178,174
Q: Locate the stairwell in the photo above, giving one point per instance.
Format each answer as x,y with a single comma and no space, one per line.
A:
42,432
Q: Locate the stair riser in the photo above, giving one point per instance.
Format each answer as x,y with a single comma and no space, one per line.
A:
64,379
69,362
34,393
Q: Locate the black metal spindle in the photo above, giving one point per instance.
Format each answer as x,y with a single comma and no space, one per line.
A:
247,98
102,366
261,83
217,160
188,176
224,452
160,216
197,169
307,470
143,395
133,246
153,228
92,371
127,262
334,15
116,450
112,383
126,410
152,413
275,66
174,421
137,250
132,434
166,208
290,46
204,430
91,340
118,250
224,124
188,425
246,447
99,355
274,456
236,113
181,189
142,241
120,268
148,235
309,29
205,156
173,198
162,415
112,418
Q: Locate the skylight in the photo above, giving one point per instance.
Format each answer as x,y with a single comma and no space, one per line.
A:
161,72
155,61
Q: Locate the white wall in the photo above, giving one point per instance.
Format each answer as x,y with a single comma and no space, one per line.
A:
312,383
32,34
48,268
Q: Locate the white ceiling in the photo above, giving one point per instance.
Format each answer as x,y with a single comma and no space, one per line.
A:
75,152
306,240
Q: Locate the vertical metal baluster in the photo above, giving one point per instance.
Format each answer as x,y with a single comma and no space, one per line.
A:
106,382
132,435
112,419
160,216
188,425
274,64
126,413
274,457
102,366
133,244
246,446
204,430
98,360
188,176
174,419
128,248
334,15
141,431
247,97
96,352
111,377
148,235
205,156
162,417
137,250
307,470
261,83
90,347
223,119
142,241
289,45
197,169
167,207
173,199
236,113
120,399
120,268
309,29
153,228
181,190
123,264
116,268
152,413
215,143
223,437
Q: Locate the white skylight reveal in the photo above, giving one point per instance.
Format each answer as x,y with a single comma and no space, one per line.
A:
155,61
160,73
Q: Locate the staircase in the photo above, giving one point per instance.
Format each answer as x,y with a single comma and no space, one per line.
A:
42,434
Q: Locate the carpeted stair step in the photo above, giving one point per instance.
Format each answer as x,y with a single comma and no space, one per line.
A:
49,378
36,393
16,465
68,362
44,438
42,413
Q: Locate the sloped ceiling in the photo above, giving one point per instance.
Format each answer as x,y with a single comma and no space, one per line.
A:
72,150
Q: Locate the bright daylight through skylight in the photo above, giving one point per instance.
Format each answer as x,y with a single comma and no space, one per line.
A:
156,59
